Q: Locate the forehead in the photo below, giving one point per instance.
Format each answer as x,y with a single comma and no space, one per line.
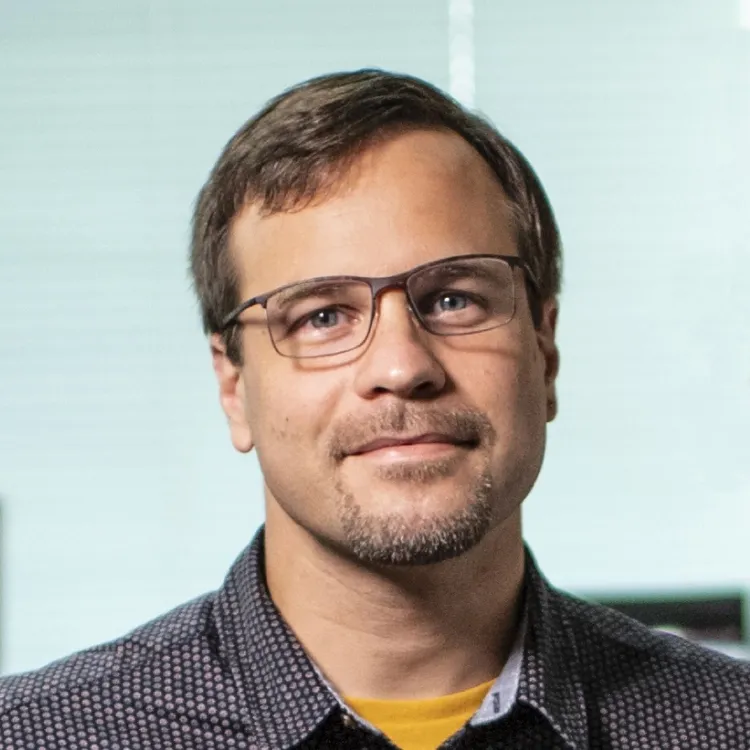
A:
418,197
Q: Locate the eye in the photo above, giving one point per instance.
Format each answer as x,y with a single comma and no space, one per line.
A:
326,317
452,301
331,320
447,302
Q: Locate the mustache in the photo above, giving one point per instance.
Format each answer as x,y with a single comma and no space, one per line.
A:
463,425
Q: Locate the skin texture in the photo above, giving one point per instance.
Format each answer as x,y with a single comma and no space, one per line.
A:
400,569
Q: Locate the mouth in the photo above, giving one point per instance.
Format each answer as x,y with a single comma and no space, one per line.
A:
428,444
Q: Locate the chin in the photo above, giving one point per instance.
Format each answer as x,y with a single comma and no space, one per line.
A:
418,518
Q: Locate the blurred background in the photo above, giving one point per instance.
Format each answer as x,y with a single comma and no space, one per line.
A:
121,495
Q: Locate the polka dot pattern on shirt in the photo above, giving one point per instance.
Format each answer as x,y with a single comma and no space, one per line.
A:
224,671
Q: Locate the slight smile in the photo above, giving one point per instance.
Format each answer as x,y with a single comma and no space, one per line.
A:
417,447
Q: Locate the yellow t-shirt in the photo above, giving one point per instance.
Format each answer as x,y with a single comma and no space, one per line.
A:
421,724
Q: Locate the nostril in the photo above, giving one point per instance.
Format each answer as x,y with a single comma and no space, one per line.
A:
427,388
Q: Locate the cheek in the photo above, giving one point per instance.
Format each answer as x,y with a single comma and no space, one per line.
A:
277,424
289,417
287,413
274,420
510,389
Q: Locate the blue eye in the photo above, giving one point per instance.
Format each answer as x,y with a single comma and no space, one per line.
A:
451,302
325,318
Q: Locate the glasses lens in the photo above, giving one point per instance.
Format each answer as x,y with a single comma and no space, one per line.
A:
464,296
316,319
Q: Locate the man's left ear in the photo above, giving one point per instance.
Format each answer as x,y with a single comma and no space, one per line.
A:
545,336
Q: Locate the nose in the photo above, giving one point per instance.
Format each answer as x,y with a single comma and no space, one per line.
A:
398,358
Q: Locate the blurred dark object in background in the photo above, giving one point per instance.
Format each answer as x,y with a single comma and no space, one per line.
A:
717,621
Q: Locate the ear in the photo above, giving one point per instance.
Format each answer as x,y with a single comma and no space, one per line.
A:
545,336
231,395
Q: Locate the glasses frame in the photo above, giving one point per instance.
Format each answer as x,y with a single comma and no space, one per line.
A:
378,285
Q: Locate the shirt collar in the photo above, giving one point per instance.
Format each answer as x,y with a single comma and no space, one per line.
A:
550,681
502,695
285,698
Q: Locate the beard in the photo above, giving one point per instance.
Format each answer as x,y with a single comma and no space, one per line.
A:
396,539
391,539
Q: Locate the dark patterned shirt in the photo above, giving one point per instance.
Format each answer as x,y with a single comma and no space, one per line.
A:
224,671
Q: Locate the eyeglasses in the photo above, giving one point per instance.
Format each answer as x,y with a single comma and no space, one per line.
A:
330,315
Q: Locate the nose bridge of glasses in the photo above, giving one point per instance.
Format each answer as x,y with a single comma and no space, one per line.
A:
385,284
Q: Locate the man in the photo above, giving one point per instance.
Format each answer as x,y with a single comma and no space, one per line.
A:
378,272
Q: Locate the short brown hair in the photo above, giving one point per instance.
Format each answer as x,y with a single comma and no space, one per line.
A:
303,142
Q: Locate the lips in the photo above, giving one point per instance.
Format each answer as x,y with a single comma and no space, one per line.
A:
396,441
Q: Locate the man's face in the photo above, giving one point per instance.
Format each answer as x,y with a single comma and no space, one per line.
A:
469,411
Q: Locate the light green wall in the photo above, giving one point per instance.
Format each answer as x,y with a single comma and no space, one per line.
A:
122,496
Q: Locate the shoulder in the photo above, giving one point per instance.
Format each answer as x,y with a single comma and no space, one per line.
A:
619,658
88,672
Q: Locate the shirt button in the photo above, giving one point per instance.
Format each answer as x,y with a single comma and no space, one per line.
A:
347,720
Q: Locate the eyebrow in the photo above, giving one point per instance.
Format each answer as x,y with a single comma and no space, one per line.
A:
457,268
310,288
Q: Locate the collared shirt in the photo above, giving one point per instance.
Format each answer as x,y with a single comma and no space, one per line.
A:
225,671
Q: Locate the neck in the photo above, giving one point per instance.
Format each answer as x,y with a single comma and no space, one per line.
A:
396,633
